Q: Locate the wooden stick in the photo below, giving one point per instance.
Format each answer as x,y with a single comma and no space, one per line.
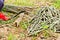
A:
18,20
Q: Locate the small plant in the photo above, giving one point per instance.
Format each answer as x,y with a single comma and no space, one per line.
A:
22,35
44,26
11,37
46,33
24,25
57,3
34,38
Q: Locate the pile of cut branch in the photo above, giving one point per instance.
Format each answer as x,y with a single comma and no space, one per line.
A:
47,17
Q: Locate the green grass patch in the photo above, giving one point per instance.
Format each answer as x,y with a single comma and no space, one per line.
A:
24,24
21,2
57,3
11,37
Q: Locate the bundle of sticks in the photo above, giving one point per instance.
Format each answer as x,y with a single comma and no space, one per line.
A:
46,16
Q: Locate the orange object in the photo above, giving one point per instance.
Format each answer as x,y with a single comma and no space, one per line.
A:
3,17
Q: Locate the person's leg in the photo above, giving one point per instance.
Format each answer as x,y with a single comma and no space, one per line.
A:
2,16
1,4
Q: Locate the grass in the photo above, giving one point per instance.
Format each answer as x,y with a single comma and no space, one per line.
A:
11,37
21,2
57,3
24,25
